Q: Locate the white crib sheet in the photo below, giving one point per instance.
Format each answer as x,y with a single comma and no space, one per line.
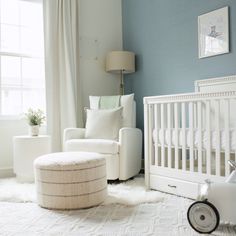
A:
195,138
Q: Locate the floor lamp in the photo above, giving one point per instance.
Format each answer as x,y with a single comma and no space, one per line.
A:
120,62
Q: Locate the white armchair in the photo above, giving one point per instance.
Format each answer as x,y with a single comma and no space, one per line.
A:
123,156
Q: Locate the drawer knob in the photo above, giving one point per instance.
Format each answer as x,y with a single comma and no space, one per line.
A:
172,186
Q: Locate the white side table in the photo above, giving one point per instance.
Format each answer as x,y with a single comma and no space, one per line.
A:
25,150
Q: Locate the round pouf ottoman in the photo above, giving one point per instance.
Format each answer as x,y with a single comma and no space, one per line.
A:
70,180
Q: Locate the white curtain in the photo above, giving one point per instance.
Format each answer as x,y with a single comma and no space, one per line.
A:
61,29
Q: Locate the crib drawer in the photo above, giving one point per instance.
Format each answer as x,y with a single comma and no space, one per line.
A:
174,186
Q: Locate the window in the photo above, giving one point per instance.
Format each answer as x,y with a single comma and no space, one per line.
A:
22,81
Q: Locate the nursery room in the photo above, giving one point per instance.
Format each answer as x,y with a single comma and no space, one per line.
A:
118,117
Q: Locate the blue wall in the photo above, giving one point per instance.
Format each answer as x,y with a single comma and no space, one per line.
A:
163,34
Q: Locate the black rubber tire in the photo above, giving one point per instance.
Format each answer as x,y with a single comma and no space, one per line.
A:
214,210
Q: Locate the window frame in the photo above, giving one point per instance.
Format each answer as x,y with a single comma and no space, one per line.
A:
20,56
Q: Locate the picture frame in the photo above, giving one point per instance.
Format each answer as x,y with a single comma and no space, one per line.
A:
213,33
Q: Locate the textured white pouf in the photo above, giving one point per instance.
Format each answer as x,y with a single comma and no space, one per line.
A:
70,180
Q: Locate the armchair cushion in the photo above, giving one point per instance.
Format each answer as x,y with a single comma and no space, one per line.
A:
126,101
93,145
103,124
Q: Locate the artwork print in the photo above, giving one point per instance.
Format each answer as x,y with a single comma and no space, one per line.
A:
213,33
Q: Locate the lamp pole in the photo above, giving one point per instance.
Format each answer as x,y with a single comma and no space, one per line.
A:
122,90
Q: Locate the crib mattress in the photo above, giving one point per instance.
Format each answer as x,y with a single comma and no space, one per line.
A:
232,137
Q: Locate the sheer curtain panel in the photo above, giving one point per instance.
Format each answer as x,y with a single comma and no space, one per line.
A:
61,30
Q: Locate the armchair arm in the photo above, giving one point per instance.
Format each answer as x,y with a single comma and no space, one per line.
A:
130,140
72,133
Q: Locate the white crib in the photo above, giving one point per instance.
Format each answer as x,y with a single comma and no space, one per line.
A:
190,137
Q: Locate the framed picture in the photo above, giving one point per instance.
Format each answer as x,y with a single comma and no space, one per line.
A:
213,33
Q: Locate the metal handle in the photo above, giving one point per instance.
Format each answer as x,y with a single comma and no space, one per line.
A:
232,163
172,186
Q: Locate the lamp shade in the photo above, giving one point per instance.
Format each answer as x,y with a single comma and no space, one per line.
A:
117,61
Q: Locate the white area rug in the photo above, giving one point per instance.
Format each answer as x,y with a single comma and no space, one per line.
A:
166,218
132,192
12,191
163,218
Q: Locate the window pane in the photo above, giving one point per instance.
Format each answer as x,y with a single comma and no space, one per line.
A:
31,14
10,71
33,83
10,12
10,38
31,41
33,72
22,82
34,99
11,101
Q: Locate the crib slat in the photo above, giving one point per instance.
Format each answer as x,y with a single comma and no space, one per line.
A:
183,117
208,136
169,133
176,106
191,124
162,135
199,118
195,129
147,141
227,138
150,128
234,128
156,133
217,118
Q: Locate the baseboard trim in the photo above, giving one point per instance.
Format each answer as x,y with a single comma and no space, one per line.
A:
6,172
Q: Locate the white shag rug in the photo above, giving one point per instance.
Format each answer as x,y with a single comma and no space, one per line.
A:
159,214
130,193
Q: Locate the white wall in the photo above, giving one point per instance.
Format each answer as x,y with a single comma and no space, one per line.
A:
100,21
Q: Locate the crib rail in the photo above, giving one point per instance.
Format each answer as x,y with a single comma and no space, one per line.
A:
192,132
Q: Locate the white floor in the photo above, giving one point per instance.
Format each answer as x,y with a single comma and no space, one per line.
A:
164,218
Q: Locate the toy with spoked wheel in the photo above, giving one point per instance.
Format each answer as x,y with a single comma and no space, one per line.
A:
216,204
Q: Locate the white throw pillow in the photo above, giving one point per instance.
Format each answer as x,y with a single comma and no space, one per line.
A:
126,101
103,124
